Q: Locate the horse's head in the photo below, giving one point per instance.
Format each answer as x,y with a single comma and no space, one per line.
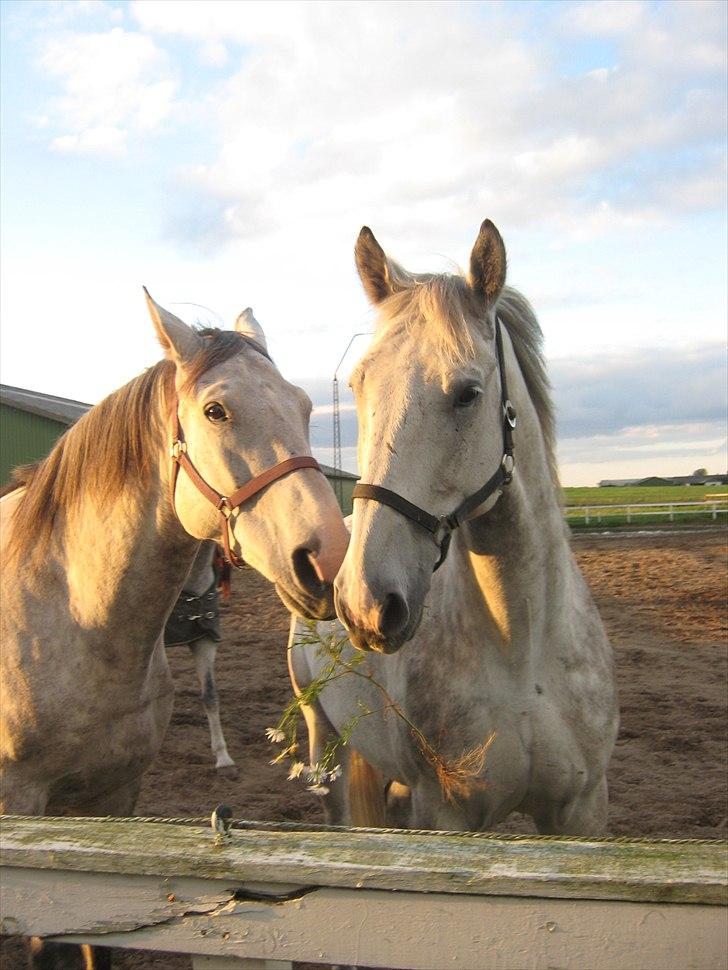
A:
239,418
430,408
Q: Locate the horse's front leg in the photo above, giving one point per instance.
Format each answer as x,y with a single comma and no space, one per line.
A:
44,955
335,801
48,955
20,794
584,815
431,810
204,652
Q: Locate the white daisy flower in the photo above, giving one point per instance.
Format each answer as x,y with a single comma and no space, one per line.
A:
314,773
275,735
296,770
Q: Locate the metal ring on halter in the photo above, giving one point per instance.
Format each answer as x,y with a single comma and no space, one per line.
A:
224,507
444,528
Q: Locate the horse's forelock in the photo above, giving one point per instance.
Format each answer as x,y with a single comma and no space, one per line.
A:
216,347
440,309
435,308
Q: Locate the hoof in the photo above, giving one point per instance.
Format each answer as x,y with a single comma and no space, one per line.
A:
228,771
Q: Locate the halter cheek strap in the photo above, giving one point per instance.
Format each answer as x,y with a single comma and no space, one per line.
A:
442,527
225,504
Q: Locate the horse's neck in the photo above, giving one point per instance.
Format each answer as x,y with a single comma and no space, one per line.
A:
517,555
125,564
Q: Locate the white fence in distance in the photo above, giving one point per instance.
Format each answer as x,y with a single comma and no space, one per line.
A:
601,514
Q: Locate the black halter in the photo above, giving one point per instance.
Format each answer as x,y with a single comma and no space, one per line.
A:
441,528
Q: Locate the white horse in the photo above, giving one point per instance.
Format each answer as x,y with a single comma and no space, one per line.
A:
97,542
504,637
195,622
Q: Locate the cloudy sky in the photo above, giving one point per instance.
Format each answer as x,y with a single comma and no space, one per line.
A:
226,153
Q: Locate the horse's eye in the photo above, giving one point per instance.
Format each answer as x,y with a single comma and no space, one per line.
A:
467,397
215,412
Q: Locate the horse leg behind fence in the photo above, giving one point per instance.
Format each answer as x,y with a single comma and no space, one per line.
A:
204,652
195,621
357,796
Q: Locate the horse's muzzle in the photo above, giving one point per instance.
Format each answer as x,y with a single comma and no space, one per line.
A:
389,624
311,606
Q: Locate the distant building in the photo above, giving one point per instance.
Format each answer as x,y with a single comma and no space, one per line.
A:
31,422
674,480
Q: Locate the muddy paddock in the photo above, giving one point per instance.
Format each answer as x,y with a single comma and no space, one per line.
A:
663,599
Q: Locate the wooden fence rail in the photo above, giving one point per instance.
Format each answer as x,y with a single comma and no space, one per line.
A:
421,901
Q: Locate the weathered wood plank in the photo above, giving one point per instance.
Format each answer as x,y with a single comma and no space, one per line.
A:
451,863
417,931
232,963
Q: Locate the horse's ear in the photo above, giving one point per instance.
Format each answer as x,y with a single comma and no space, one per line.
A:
373,267
179,342
248,326
488,263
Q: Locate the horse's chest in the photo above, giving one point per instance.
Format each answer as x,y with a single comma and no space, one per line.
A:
465,711
81,718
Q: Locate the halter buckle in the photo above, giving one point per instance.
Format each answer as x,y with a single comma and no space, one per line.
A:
444,527
509,413
178,448
507,464
225,507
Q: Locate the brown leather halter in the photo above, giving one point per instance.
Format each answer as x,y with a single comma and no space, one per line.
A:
442,527
225,504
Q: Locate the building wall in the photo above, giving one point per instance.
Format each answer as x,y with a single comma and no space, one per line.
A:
348,487
24,438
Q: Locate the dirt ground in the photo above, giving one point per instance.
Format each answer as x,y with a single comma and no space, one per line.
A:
664,601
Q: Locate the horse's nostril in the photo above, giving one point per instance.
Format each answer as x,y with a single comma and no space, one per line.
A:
393,615
306,573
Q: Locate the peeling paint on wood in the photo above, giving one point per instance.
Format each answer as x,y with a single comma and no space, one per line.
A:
417,931
450,863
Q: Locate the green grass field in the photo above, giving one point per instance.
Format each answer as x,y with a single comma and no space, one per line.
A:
641,493
578,500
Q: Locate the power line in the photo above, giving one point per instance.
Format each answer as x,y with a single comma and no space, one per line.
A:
337,460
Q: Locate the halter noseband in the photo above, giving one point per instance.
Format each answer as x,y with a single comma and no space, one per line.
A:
442,528
226,504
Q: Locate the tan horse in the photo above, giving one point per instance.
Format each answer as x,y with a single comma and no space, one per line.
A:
96,547
504,637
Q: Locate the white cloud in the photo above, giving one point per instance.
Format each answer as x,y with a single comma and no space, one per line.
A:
421,113
605,18
427,113
103,140
638,452
114,84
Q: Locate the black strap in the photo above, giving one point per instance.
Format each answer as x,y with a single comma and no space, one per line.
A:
471,503
441,528
386,497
